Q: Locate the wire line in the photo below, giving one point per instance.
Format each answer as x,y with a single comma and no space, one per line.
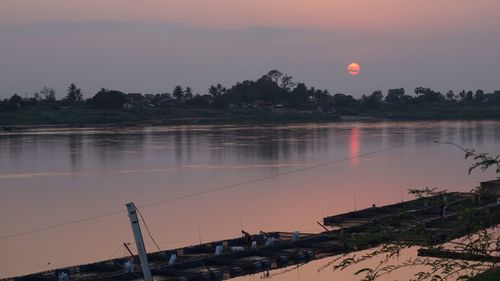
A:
222,188
147,229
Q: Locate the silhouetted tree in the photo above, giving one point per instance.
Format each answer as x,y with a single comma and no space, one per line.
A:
394,95
450,96
106,99
178,93
37,97
287,83
48,94
407,99
201,100
15,102
479,96
419,91
188,94
462,95
274,75
74,94
469,96
374,100
216,91
342,100
429,96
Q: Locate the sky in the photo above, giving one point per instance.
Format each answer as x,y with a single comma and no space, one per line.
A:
152,45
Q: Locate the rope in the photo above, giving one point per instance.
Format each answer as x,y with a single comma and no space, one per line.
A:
147,229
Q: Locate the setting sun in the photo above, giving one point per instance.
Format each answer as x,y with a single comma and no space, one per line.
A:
353,69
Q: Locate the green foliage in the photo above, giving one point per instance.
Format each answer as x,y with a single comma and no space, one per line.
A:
471,221
178,93
394,96
426,192
374,100
48,94
106,99
483,160
74,94
15,102
276,89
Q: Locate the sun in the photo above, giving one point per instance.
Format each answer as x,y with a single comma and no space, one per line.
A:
353,68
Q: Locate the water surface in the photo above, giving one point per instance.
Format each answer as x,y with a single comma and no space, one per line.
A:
54,176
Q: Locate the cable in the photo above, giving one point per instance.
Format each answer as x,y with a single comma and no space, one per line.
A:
226,187
147,229
60,225
231,186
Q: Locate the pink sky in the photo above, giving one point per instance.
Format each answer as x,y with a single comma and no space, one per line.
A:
367,15
446,44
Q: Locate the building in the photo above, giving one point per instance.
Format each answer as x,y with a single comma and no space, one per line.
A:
134,100
490,188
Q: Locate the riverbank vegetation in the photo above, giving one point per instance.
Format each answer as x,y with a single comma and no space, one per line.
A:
274,97
473,256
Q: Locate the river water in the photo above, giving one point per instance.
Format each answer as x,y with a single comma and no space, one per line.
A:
204,183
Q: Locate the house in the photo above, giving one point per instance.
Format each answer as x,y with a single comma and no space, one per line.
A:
165,100
490,188
135,97
134,100
261,104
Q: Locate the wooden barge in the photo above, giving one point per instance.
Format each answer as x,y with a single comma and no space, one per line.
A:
425,222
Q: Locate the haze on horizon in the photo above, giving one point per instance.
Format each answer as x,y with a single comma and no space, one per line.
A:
151,46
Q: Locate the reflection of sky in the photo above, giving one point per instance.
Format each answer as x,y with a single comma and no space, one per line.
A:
49,178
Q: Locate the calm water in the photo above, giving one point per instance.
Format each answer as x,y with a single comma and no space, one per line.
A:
50,177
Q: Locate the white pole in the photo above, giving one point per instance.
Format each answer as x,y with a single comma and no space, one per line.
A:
139,242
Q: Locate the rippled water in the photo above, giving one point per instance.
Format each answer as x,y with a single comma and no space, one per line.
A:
307,171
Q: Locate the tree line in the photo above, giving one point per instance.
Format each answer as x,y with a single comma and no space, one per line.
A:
274,89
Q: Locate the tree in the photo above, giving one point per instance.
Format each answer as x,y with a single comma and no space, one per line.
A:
274,76
216,91
494,98
48,94
15,102
462,95
394,95
106,99
74,94
188,94
429,96
478,248
374,100
201,100
37,97
287,83
342,100
178,93
469,96
479,96
419,91
450,96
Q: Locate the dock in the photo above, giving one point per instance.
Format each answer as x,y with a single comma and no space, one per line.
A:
424,222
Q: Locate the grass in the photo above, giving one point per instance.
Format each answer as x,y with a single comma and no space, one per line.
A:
88,116
85,115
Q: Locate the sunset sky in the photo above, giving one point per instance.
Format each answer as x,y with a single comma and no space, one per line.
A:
150,46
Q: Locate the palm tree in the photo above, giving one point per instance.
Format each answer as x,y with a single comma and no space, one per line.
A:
74,94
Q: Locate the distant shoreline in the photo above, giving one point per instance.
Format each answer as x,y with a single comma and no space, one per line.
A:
214,121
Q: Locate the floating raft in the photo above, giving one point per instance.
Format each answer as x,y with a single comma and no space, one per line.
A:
239,258
424,207
201,263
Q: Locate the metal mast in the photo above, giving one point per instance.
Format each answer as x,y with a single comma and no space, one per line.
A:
139,242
